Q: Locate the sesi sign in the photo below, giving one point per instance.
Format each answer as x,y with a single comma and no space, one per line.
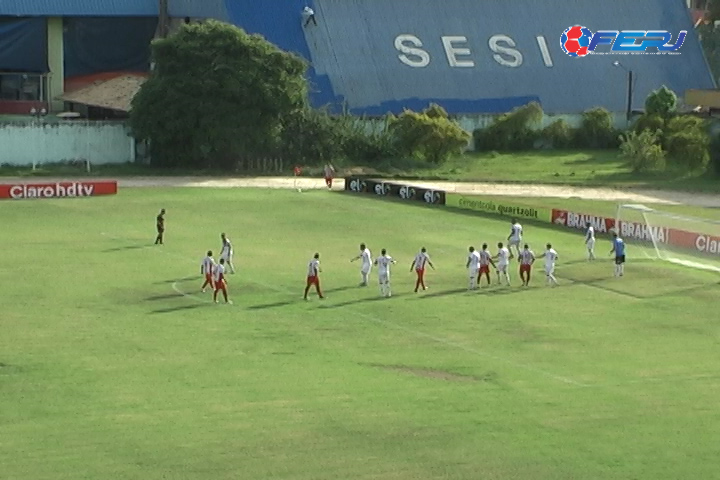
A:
20,191
459,53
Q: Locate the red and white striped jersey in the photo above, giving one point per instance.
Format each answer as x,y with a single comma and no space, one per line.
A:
484,258
207,265
527,257
421,260
313,267
218,273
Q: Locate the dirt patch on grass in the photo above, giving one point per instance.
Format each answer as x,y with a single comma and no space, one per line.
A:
436,374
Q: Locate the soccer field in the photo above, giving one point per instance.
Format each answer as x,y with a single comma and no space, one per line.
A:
114,366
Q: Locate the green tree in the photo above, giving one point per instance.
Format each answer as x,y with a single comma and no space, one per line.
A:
662,101
216,93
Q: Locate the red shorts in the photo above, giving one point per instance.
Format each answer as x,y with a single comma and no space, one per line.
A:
220,285
525,267
208,278
420,271
314,280
484,269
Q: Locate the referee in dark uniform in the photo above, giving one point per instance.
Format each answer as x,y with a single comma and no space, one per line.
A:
160,224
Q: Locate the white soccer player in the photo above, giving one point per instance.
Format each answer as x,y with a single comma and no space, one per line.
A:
550,257
206,268
421,259
383,262
527,258
590,240
366,263
515,237
503,257
226,252
473,264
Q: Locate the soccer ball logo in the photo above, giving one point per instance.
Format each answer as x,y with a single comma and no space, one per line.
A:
575,41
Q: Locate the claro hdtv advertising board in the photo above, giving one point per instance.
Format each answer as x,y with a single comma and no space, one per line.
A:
20,191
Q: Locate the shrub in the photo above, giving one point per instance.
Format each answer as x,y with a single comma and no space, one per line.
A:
429,136
597,130
689,149
643,151
662,101
649,121
311,137
558,134
512,131
715,155
687,142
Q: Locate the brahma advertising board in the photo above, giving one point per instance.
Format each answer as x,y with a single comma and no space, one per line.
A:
20,191
673,237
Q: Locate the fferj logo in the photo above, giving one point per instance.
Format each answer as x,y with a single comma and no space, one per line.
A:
579,41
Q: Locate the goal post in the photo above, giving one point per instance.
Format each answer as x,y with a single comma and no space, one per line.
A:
655,234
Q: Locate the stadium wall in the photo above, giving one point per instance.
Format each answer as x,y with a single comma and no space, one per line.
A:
99,142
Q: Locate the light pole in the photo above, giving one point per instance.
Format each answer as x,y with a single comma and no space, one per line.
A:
37,120
628,113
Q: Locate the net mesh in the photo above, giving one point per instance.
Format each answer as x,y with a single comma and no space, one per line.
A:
654,234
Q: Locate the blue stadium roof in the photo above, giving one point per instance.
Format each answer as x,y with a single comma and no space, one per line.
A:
112,8
473,56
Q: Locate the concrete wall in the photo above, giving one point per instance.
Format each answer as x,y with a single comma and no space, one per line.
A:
99,142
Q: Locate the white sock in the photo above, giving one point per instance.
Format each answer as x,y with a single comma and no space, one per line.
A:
364,277
591,255
473,282
382,289
507,277
387,290
552,278
617,270
622,269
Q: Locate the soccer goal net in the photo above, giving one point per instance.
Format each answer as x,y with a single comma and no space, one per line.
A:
688,241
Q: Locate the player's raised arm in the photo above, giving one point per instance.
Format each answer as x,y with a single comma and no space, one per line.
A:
412,265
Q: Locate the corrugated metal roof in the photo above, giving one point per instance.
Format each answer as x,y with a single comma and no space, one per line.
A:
76,8
112,8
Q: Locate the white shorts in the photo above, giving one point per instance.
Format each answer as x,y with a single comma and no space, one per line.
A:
384,278
549,269
474,272
502,267
366,269
591,244
514,241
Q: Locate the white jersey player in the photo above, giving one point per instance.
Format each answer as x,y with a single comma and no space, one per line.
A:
515,237
550,257
503,261
366,263
226,252
590,240
383,262
473,266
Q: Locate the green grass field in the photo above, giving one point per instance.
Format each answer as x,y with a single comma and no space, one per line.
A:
114,366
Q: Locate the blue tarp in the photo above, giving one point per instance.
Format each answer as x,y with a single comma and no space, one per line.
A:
23,45
94,45
512,52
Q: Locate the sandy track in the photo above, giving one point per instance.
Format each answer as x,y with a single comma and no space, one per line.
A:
560,191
